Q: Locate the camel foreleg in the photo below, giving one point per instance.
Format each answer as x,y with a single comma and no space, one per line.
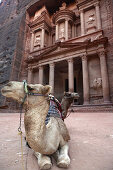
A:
44,161
62,156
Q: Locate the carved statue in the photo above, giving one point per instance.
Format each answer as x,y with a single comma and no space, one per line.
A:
37,40
63,6
62,32
97,83
91,19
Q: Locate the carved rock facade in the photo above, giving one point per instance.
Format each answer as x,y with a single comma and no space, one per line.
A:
66,47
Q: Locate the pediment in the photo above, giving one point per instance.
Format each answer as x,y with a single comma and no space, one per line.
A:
41,19
56,48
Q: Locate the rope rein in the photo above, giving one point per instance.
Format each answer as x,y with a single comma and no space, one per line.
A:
22,160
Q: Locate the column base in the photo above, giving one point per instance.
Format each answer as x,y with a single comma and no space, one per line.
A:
86,103
107,102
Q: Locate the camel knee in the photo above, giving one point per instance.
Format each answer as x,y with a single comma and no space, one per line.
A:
44,161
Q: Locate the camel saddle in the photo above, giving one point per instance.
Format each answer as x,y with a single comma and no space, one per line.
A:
55,110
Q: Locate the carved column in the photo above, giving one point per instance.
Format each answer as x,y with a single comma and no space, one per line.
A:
41,70
51,76
66,29
43,36
32,41
98,18
30,75
73,31
82,22
85,79
104,74
57,30
71,75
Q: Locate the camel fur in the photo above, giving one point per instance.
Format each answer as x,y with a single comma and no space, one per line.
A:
44,139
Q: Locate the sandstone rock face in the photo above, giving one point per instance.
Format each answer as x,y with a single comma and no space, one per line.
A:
13,30
12,27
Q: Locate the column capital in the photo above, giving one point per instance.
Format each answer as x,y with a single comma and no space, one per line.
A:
41,67
81,10
96,4
84,57
70,60
101,53
57,23
32,32
30,69
66,19
42,28
51,64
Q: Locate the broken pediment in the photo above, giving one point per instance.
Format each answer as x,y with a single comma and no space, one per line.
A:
43,17
40,11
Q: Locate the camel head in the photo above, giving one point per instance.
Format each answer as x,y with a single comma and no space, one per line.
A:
15,90
71,95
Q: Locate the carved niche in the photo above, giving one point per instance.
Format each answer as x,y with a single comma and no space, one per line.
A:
37,39
90,20
62,31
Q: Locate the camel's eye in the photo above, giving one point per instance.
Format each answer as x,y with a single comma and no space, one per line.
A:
30,88
9,84
67,94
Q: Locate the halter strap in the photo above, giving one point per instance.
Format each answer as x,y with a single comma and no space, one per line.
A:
30,93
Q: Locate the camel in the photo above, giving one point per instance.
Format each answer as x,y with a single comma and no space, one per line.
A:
44,139
67,101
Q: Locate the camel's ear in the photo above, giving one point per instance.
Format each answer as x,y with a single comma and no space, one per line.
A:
46,89
64,93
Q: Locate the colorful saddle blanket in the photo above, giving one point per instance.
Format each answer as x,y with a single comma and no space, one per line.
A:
53,111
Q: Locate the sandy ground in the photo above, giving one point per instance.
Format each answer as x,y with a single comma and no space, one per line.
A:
91,144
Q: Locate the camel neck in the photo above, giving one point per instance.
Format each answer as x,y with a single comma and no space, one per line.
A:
35,121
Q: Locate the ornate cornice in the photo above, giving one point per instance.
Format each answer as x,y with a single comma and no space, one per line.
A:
63,45
62,15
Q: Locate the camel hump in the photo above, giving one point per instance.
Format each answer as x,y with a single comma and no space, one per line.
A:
63,129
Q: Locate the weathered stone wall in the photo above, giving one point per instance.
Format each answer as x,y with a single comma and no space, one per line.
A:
12,29
107,25
9,28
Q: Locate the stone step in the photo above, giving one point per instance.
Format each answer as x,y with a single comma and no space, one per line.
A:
91,108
